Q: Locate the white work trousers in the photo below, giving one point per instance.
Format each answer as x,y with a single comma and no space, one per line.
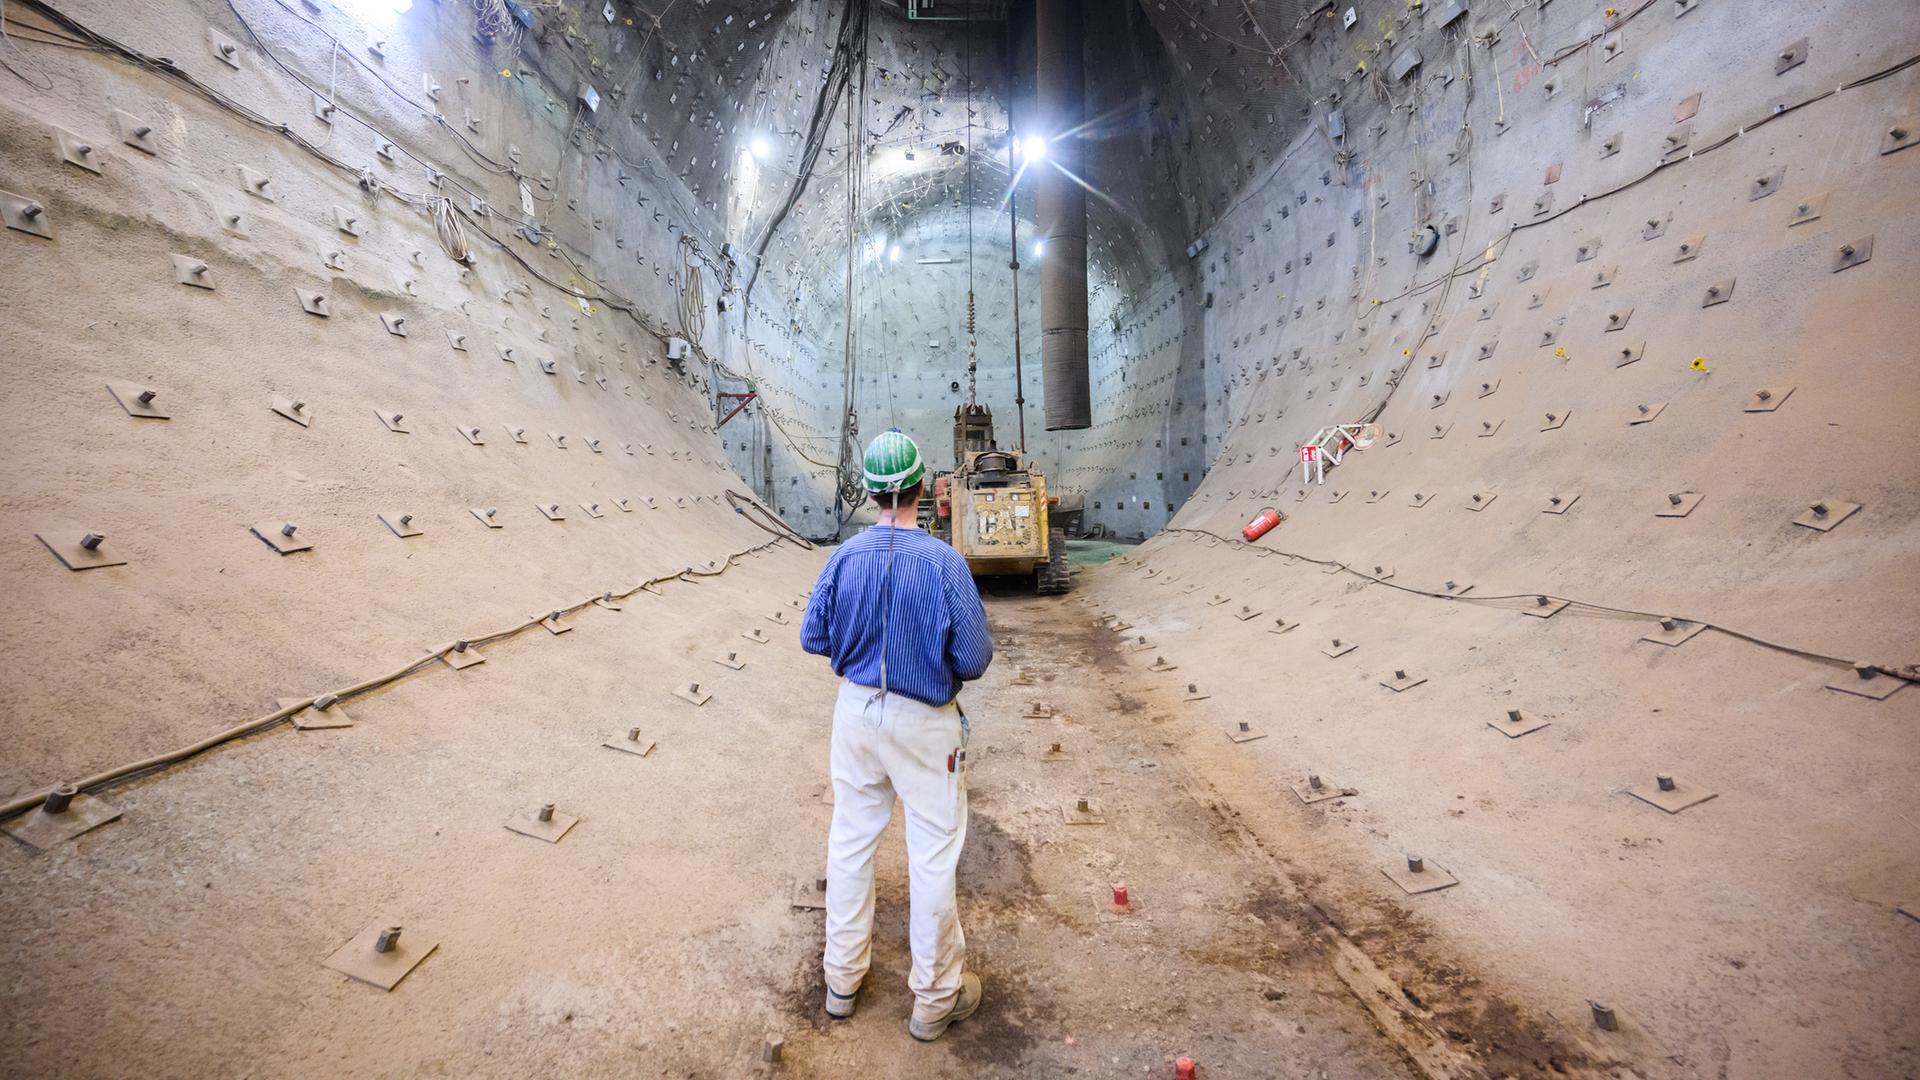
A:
882,748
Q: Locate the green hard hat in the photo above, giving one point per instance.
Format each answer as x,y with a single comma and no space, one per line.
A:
892,462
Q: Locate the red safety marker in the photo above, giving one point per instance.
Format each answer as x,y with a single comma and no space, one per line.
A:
1120,902
1183,1069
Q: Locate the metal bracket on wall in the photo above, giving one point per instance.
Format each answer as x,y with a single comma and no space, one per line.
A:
1517,723
26,215
1645,413
1809,209
1480,500
1555,421
1339,647
471,433
630,743
488,516
1767,399
1402,681
1545,607
401,523
75,150
1629,353
1679,504
542,823
1826,513
281,537
1868,681
223,49
395,324
1313,789
1673,632
313,302
462,655
1668,795
1853,253
1675,144
1901,133
64,814
1560,503
78,549
394,420
1488,429
1417,876
188,270
295,410
1717,293
137,400
551,511
256,183
322,714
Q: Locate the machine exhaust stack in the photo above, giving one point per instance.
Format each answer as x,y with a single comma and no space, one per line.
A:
1059,33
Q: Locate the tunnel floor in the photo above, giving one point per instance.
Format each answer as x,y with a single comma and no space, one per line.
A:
660,936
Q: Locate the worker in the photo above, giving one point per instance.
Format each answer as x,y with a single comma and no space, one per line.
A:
898,614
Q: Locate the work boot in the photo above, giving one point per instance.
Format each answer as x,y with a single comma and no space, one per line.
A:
963,1007
840,1007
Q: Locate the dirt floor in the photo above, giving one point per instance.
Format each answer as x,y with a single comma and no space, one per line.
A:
658,937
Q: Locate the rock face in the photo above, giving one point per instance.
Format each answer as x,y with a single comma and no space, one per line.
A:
346,334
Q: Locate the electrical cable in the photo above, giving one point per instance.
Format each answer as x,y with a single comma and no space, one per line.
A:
773,523
172,757
1572,603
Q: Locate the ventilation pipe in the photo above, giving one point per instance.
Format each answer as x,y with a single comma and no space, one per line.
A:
1059,37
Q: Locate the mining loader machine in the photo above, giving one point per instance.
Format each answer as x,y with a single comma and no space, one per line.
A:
994,509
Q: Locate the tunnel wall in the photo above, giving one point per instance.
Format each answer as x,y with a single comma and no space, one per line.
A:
1551,226
1593,179
205,622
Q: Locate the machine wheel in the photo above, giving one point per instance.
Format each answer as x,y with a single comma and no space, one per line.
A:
1054,577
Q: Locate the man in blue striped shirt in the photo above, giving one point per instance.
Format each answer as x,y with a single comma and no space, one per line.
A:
897,612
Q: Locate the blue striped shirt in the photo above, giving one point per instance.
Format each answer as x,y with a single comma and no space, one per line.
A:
936,636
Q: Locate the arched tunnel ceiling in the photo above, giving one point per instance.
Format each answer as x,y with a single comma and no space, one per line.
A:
1186,104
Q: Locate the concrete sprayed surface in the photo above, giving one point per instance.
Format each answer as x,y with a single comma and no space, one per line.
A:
1268,173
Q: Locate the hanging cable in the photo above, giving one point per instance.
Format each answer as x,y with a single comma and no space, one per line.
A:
973,340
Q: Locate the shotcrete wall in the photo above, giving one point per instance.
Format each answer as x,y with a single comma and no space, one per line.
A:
518,380
1661,350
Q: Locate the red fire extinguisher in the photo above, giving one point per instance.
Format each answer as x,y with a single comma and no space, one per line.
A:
1264,520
